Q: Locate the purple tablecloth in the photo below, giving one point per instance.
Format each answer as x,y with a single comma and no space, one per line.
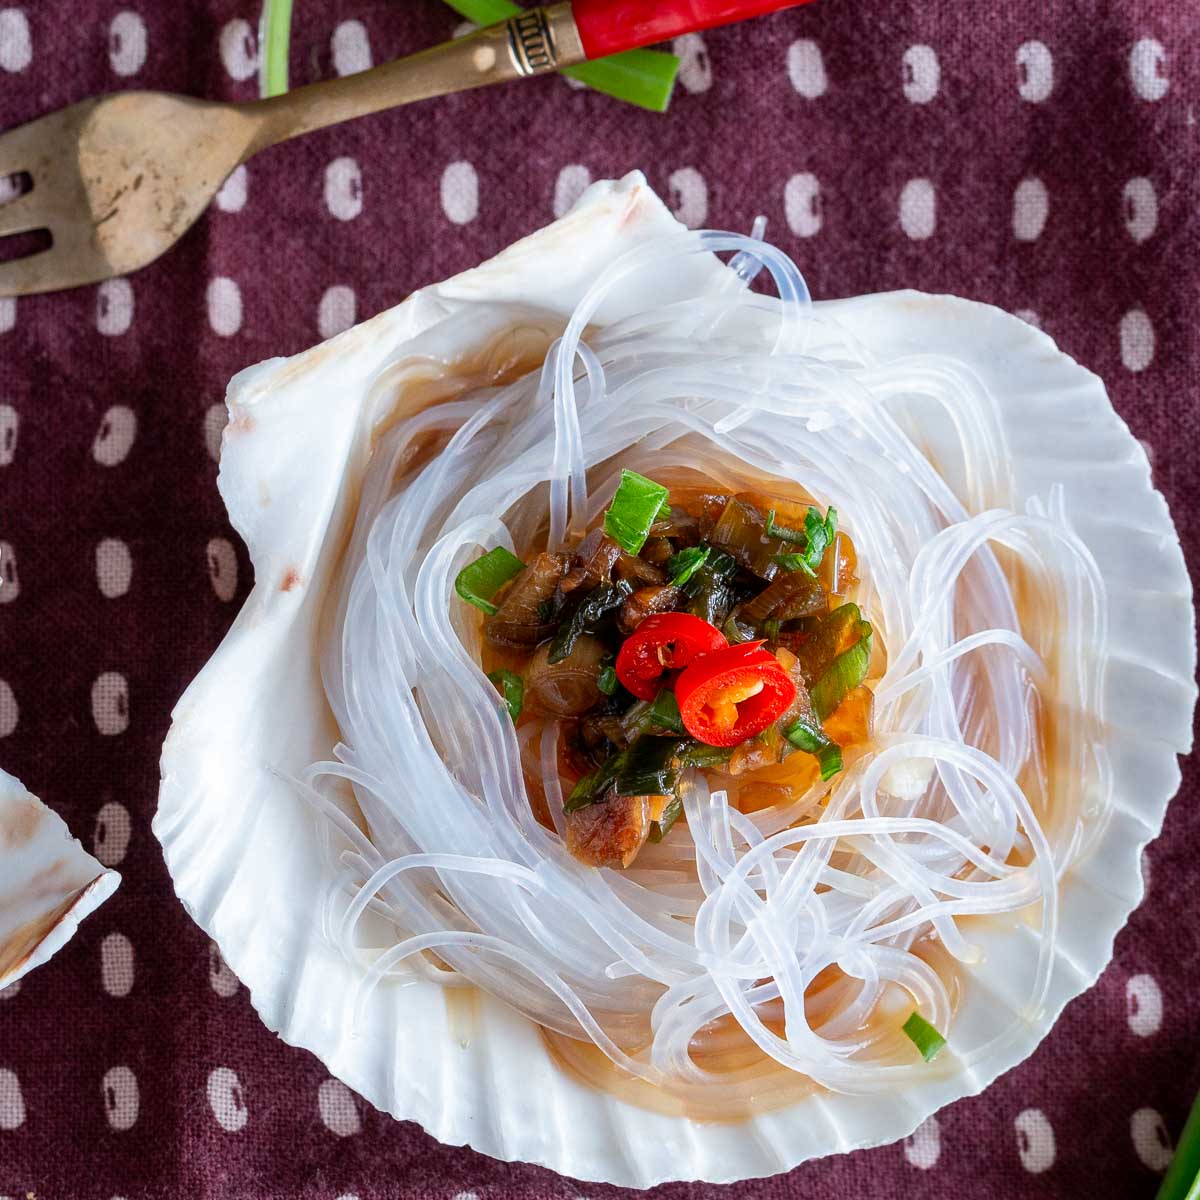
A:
1041,156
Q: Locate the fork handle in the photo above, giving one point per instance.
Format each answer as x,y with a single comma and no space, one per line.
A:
532,42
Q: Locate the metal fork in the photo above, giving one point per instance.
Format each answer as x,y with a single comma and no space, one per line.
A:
118,179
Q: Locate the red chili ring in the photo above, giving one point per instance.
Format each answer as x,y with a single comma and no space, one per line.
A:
664,642
721,671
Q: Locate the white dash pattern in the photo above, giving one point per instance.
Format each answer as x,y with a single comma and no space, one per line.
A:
1031,207
918,209
1035,72
802,204
571,183
114,439
116,965
336,1104
110,703
689,196
806,69
1151,1141
460,193
224,302
1136,333
227,1099
110,840
921,74
1143,1005
114,307
127,43
336,311
1035,1141
231,196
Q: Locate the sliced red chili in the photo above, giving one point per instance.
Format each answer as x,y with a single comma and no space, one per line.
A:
663,642
731,694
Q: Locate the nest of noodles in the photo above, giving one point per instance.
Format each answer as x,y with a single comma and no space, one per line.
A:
802,934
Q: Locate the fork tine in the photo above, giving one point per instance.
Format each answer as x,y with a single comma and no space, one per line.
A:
24,147
49,271
25,276
21,215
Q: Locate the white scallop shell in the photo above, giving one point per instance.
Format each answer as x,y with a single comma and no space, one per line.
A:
244,852
48,882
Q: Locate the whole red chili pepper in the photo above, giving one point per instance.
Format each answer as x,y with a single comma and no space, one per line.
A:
663,642
730,695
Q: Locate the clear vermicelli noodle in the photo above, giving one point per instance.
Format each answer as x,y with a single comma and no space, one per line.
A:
748,946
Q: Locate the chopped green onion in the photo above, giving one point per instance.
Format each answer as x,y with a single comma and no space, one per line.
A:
650,767
770,628
820,531
633,510
512,688
708,591
722,564
641,77
661,713
670,814
736,631
682,566
845,673
606,681
664,712
812,740
595,607
817,537
923,1035
593,787
782,532
794,562
478,582
1182,1180
703,756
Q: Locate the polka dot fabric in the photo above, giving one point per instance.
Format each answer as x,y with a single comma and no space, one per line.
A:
1020,154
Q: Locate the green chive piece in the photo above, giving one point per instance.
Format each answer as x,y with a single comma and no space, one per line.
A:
670,814
651,767
816,538
582,794
682,566
812,740
794,562
633,510
781,531
606,681
703,756
478,582
512,687
596,606
592,788
664,713
845,673
641,77
923,1035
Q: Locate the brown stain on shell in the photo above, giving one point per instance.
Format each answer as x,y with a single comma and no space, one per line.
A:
20,823
20,944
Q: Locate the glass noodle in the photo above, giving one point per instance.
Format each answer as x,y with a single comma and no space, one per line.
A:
812,924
